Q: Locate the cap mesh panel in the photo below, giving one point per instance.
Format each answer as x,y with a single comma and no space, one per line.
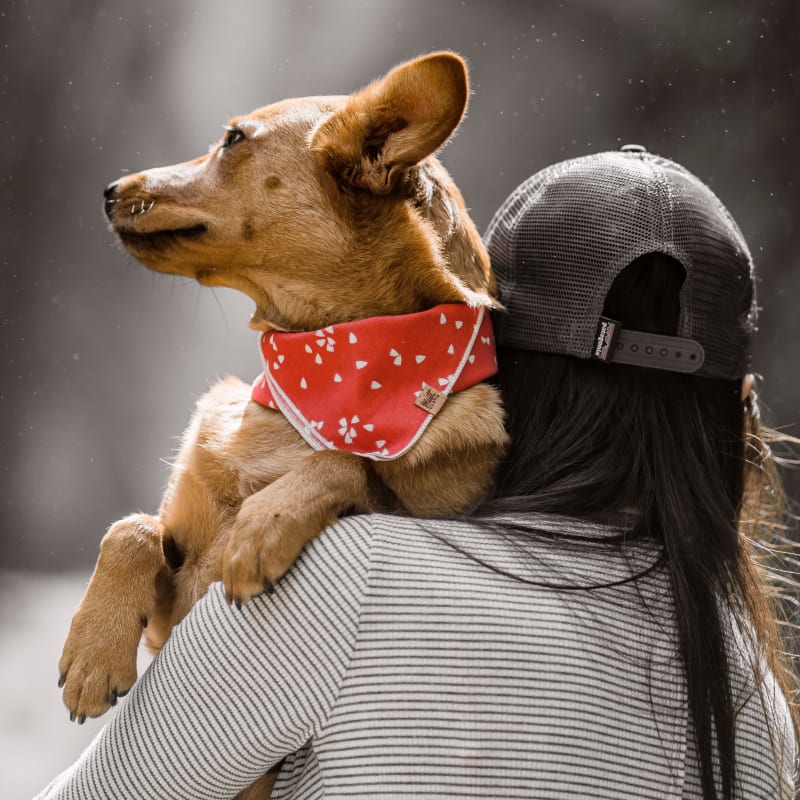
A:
563,236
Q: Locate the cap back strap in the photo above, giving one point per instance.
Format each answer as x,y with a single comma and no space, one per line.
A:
636,348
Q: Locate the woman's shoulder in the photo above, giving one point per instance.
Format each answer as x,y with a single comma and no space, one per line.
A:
544,551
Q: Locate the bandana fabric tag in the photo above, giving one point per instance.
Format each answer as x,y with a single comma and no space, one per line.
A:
430,399
372,386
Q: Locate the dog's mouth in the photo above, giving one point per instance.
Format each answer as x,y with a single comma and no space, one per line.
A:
159,240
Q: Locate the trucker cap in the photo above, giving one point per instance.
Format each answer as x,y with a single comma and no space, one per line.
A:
562,237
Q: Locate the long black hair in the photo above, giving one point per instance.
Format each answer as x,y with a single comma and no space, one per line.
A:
672,451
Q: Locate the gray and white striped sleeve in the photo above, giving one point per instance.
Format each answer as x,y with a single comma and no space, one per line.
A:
233,692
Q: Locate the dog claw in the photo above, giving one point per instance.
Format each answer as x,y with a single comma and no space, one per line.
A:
269,586
112,699
144,620
81,719
238,604
72,716
62,679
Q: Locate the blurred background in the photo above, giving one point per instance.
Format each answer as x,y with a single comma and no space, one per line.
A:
102,360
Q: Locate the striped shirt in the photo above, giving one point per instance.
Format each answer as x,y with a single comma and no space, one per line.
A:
401,658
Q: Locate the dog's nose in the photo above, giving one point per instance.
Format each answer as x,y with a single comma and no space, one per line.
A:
109,193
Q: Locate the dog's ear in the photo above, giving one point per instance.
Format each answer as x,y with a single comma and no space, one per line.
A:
394,122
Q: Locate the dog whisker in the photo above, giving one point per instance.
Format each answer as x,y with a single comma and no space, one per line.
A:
196,301
222,311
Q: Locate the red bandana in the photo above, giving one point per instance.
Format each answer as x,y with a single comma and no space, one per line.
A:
371,387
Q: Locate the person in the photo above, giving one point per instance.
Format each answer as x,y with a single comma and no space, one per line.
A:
602,626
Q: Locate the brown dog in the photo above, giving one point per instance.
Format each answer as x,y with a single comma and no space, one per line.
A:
322,210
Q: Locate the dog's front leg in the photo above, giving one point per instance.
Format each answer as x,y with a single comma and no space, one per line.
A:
274,524
98,663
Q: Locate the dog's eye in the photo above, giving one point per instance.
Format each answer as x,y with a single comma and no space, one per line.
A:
233,136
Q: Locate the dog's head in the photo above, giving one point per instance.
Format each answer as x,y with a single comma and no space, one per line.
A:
321,209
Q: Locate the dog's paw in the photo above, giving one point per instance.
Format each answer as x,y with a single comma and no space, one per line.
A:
262,545
98,664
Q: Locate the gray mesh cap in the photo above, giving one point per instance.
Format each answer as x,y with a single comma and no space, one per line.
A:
562,237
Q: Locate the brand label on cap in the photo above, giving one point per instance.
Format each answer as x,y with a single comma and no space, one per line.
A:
606,339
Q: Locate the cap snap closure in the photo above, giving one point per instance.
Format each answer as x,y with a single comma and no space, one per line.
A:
633,148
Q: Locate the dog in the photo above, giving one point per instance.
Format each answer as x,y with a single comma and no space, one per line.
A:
324,211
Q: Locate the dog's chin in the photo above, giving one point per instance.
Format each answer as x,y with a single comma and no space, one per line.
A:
149,244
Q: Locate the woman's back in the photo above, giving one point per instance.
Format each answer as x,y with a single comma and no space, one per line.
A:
554,672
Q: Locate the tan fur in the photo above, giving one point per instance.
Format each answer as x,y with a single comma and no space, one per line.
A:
330,209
